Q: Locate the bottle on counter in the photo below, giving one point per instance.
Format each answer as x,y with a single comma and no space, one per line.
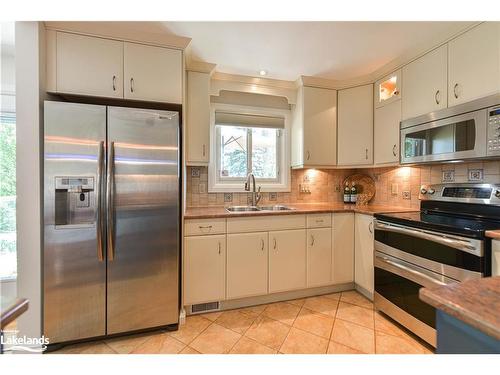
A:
354,193
347,193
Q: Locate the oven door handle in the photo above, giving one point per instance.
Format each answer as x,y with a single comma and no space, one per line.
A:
455,243
411,272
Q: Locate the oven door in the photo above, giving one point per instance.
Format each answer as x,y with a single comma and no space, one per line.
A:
457,137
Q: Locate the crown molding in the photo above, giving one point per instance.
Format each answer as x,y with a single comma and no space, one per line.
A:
200,66
118,30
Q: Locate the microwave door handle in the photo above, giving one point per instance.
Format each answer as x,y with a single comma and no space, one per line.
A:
410,272
98,190
447,241
110,200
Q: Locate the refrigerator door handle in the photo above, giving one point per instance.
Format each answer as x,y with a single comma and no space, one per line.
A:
110,201
99,226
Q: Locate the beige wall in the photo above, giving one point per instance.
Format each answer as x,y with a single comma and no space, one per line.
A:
326,185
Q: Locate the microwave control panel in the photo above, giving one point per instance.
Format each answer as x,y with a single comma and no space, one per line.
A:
494,131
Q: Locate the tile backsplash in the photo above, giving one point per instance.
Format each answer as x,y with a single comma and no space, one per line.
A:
395,186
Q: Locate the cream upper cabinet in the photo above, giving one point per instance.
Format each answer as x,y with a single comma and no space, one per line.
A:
343,247
388,89
355,126
386,133
247,264
287,260
86,65
425,84
152,73
474,64
314,129
319,256
198,118
204,269
363,252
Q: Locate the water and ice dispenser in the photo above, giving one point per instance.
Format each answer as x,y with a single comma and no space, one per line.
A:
75,201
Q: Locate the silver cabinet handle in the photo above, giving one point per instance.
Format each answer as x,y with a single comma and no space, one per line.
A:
370,227
110,180
396,92
205,226
131,85
455,90
319,220
394,150
114,83
219,247
203,150
99,210
262,244
274,243
436,97
312,240
308,155
409,271
456,243
366,153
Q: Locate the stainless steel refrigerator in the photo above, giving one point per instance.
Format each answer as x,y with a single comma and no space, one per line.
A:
111,220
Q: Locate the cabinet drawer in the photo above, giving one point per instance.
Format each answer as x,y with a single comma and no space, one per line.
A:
200,227
265,223
319,220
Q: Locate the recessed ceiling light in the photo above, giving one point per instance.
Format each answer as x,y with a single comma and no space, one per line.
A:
263,72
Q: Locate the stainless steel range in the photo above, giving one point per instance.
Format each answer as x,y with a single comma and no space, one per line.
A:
443,243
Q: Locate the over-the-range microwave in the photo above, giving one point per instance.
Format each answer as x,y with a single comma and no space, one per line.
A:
466,131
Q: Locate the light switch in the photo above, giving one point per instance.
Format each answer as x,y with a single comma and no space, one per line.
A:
202,188
394,189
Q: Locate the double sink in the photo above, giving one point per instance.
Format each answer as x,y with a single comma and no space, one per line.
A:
258,208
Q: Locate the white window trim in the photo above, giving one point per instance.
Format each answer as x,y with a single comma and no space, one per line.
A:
284,184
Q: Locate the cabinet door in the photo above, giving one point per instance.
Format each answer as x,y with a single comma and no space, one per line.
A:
388,89
287,260
204,269
363,252
343,248
319,256
198,118
247,264
152,73
355,126
386,133
474,64
89,66
425,84
320,126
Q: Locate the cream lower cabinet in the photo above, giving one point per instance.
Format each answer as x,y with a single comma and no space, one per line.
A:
495,258
204,269
343,248
319,256
363,252
247,264
287,260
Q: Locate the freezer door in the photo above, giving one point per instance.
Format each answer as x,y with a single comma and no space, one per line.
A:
74,267
143,219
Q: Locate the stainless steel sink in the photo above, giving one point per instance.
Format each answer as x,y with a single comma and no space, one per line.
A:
242,208
276,207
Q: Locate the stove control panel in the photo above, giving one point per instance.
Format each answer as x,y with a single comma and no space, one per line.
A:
462,192
493,131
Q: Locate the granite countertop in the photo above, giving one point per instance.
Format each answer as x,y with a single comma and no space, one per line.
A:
475,302
495,234
298,208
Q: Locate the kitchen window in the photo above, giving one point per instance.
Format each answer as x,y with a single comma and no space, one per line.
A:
249,141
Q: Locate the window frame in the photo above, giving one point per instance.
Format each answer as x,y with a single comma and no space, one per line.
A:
217,183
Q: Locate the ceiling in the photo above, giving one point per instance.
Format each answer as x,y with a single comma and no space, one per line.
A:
287,50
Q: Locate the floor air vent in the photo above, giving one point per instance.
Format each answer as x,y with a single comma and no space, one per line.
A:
204,307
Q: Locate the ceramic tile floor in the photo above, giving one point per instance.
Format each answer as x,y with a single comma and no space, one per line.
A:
339,323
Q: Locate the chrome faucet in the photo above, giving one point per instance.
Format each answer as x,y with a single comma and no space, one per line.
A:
256,196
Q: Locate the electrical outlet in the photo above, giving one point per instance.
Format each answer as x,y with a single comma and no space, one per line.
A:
273,196
475,175
337,189
448,176
195,172
202,188
228,197
394,189
406,194
306,178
